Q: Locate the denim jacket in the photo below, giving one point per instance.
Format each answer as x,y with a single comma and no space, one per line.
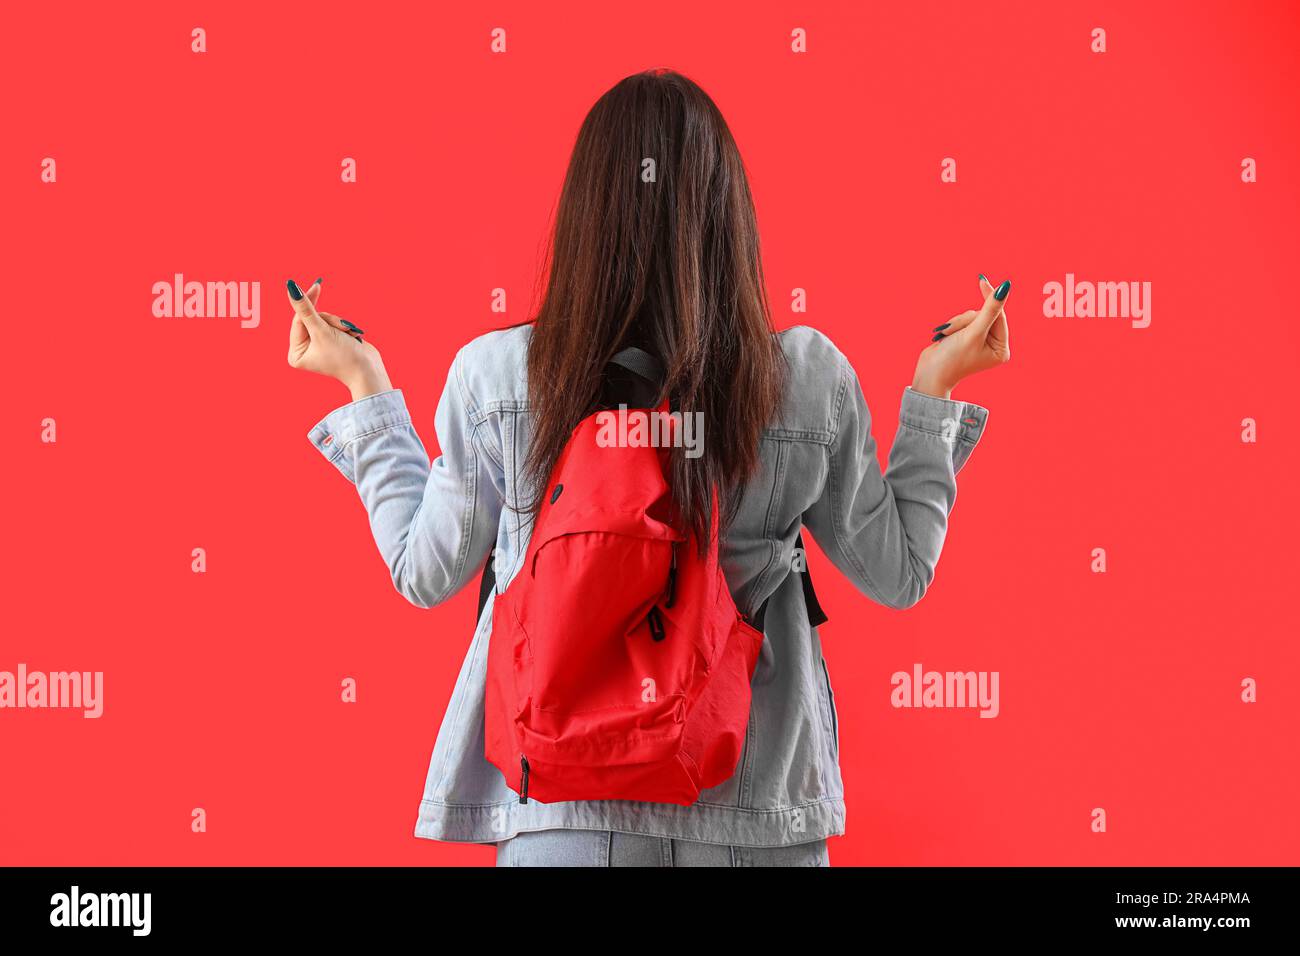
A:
435,525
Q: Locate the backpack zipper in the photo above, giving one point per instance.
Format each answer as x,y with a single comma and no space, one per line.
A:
523,785
672,578
656,622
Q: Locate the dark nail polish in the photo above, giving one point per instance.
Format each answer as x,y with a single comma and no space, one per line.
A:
352,328
940,328
319,281
294,292
938,337
1002,290
984,278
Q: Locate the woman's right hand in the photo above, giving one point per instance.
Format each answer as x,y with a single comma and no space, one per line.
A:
326,344
966,344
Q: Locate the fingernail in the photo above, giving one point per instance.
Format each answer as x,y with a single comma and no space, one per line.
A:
352,327
983,278
940,328
938,337
1002,290
294,292
319,281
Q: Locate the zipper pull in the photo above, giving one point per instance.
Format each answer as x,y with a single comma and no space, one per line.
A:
656,622
523,784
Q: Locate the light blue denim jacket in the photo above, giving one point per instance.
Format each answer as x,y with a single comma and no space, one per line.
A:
435,525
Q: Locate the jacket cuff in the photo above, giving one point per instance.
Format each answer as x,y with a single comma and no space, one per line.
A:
334,433
951,420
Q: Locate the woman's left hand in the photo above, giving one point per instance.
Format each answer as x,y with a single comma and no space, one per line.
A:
324,343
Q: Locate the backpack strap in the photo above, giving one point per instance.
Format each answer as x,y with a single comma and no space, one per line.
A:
640,362
486,584
816,616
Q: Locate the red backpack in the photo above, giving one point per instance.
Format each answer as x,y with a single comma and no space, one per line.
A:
618,666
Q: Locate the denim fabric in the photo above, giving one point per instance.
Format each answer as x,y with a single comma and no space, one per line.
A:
435,524
607,848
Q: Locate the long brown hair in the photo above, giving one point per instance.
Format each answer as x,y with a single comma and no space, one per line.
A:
670,265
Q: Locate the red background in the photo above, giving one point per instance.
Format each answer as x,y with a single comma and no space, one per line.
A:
1119,690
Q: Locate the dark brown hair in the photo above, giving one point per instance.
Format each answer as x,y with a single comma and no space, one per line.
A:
672,266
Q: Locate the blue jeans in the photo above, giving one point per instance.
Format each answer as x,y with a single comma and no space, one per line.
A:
608,848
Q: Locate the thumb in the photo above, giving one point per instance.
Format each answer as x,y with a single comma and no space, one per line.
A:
304,310
992,306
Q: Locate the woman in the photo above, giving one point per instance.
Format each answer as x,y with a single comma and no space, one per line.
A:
668,262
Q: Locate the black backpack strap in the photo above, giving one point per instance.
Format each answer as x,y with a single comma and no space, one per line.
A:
633,378
486,583
640,362
816,616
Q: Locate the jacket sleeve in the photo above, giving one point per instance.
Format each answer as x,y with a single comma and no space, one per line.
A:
885,530
434,524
